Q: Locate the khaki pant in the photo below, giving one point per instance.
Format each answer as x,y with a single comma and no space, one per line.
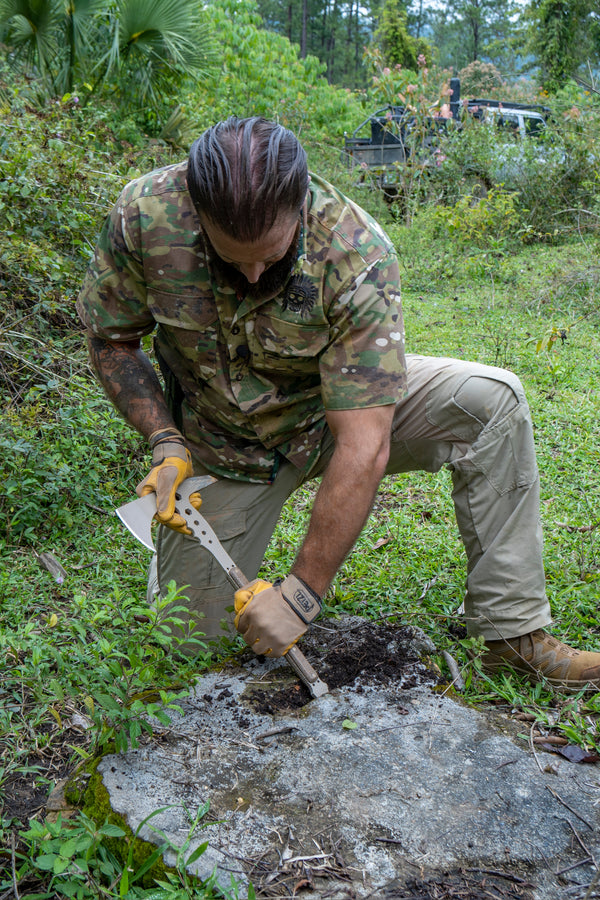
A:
471,418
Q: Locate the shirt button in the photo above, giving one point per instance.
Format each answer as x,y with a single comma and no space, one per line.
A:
235,329
239,376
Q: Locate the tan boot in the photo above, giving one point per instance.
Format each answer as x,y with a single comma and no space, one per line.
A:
542,658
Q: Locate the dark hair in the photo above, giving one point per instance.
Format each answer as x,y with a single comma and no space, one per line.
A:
244,173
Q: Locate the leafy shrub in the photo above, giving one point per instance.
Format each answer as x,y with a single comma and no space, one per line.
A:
419,90
62,448
554,176
261,73
485,224
479,79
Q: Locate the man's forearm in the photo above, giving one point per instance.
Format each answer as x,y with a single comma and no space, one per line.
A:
130,382
340,510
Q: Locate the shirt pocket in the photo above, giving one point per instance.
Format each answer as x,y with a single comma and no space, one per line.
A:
189,324
287,347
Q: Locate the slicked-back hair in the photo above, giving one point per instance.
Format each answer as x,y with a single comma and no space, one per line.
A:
244,174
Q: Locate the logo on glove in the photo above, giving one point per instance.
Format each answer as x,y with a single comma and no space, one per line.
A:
303,601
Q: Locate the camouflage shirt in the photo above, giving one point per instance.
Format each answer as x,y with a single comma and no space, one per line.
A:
255,376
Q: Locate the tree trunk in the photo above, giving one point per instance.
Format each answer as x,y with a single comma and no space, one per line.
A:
324,23
419,20
303,33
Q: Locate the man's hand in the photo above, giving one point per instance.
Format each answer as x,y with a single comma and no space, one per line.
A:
271,617
171,464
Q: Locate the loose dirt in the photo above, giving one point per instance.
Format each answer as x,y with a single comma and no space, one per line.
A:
360,653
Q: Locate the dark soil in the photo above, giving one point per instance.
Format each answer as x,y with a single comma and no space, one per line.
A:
461,885
360,653
25,793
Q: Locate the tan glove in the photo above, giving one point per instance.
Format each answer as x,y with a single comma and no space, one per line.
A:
271,617
171,464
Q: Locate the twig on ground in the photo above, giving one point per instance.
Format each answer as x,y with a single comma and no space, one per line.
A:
585,849
508,762
570,808
552,739
533,724
498,874
575,865
273,731
578,528
457,679
427,587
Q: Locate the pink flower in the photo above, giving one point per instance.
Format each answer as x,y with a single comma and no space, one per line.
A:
386,71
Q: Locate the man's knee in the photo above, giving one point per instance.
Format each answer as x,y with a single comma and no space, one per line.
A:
489,399
467,398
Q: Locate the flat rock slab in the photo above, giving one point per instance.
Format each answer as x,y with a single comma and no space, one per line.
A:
377,790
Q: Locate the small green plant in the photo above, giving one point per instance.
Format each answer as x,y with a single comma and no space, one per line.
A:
73,858
71,855
178,883
481,225
112,660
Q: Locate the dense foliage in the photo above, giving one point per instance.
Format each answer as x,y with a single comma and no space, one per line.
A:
137,49
554,39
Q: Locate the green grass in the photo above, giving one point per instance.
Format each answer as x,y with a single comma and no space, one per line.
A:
88,650
75,646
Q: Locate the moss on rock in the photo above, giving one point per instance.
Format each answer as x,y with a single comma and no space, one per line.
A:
86,791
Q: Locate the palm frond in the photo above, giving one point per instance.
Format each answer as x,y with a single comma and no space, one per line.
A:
31,30
84,15
173,30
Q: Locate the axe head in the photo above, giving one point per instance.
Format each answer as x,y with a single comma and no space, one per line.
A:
137,515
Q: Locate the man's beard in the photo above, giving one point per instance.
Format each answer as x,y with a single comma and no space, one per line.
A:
270,282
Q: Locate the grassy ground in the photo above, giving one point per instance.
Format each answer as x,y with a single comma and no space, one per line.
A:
84,661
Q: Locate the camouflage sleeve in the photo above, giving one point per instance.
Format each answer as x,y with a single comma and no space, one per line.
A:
112,300
364,365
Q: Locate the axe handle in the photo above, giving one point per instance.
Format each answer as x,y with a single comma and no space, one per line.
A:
295,657
237,577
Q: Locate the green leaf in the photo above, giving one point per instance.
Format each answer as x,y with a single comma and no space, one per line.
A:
46,862
149,862
124,883
196,853
109,830
349,724
69,848
60,865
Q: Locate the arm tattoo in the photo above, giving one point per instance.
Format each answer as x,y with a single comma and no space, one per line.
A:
130,382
